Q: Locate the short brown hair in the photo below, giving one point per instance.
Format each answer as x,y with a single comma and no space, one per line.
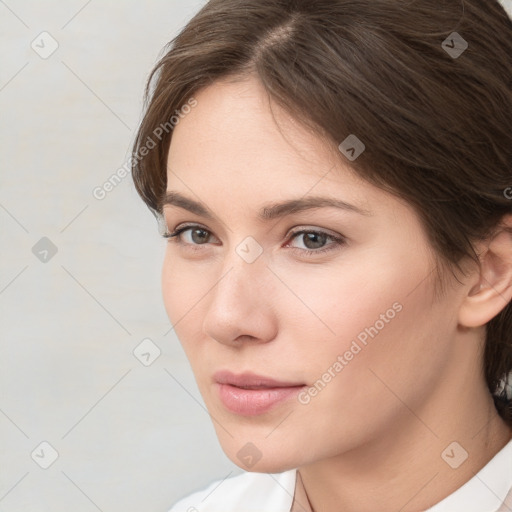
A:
436,124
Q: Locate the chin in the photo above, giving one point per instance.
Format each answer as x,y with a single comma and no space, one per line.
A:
264,465
260,455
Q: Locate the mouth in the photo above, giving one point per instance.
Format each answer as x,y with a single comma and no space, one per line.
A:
249,394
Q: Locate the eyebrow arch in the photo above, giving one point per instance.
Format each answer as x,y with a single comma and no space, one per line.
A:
268,212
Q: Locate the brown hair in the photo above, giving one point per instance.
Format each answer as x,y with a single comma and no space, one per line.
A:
436,124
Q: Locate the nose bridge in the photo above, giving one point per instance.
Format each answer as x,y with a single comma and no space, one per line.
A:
240,302
244,272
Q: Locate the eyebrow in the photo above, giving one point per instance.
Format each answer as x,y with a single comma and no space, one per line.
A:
269,211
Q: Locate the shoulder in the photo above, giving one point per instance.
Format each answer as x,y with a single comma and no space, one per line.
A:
246,492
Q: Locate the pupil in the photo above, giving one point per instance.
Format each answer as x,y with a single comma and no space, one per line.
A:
320,239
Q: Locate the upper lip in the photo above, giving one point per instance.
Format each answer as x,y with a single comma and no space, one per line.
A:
251,380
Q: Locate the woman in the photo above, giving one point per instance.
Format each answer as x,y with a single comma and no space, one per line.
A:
334,178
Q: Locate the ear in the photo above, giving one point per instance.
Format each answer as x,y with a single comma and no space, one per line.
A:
490,288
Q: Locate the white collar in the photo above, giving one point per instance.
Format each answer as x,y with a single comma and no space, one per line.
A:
484,492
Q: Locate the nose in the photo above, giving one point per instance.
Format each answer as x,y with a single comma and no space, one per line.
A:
242,304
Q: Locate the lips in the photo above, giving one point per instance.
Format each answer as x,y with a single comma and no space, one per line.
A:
249,394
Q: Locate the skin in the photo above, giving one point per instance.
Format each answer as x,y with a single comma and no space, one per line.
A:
372,439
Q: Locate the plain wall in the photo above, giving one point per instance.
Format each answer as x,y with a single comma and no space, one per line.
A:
129,437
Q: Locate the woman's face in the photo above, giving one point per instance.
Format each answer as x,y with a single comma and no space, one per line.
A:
345,309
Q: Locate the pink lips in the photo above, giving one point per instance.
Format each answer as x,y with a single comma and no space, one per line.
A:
249,394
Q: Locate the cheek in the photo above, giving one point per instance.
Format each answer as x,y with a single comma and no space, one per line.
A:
171,289
375,316
352,300
182,291
393,345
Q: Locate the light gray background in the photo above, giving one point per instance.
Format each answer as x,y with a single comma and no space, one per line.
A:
129,437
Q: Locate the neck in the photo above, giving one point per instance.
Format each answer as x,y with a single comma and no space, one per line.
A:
405,468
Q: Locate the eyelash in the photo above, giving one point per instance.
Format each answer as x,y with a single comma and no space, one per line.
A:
337,241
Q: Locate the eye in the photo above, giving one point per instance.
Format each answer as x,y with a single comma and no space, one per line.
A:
198,235
314,241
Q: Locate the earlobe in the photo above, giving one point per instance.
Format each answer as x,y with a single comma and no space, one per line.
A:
492,290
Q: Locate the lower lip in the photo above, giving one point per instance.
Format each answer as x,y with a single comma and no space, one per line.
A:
250,402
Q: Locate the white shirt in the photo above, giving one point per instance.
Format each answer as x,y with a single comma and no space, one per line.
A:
267,492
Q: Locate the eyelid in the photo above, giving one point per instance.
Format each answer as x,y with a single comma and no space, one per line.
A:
186,225
309,228
293,231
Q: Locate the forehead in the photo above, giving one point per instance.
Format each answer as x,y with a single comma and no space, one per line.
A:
238,118
237,139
